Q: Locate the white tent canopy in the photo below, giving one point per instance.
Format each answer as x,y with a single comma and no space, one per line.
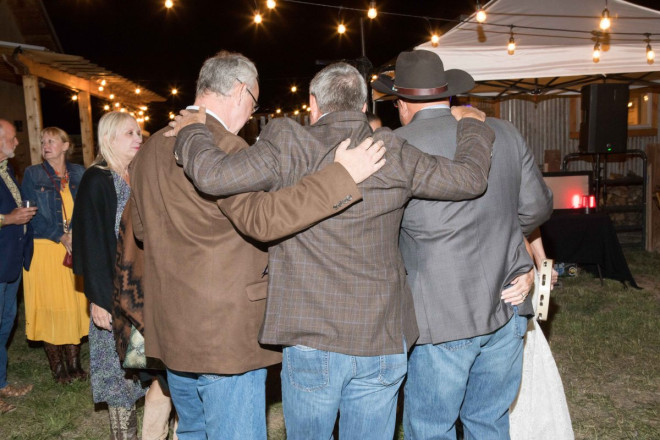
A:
554,45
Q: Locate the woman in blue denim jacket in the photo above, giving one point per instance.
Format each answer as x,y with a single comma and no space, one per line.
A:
55,312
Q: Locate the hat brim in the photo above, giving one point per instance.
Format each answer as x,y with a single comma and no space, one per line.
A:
458,81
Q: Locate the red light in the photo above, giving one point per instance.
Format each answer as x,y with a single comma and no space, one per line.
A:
588,201
576,201
592,201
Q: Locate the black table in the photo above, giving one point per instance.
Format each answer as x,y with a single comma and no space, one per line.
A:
588,240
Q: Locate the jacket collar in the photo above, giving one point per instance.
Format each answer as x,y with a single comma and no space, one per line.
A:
341,116
431,114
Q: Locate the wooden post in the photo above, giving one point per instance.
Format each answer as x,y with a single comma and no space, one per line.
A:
34,118
86,131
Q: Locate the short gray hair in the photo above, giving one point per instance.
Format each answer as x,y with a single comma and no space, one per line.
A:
220,72
339,87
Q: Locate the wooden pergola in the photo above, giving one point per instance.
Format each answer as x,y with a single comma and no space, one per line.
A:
31,64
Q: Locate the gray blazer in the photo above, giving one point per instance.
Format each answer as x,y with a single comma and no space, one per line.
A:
460,255
340,285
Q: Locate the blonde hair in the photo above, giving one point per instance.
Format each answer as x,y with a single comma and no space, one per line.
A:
109,126
57,132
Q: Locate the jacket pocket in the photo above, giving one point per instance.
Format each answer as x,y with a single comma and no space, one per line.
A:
257,291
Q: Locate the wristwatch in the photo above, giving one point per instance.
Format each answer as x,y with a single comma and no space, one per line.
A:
2,220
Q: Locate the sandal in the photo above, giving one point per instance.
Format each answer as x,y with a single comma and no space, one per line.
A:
6,407
15,390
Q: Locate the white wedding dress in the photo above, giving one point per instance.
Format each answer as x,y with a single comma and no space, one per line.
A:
540,411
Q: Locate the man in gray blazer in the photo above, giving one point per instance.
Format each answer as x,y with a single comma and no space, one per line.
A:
460,258
337,296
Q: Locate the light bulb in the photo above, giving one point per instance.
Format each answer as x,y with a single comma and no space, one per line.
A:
650,55
605,21
169,4
341,29
294,89
372,13
74,97
435,39
138,91
116,104
103,82
112,96
481,16
258,18
270,4
106,107
175,91
596,54
100,88
511,47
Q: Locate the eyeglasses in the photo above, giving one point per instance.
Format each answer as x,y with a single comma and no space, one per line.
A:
256,104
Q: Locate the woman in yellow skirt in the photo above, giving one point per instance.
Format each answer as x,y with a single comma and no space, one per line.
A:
55,312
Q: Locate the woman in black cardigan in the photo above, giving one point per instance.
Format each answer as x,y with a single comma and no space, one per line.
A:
101,198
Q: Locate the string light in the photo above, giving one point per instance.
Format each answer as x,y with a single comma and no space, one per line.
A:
112,96
116,104
372,13
100,88
605,21
171,115
146,118
435,39
169,4
650,55
174,91
106,107
278,111
481,14
74,97
341,28
374,77
511,47
596,54
138,91
270,4
294,89
258,18
296,112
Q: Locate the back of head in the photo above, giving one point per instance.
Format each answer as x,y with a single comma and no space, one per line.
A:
339,87
108,129
220,72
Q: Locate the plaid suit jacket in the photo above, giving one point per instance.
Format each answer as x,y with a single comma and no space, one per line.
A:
339,285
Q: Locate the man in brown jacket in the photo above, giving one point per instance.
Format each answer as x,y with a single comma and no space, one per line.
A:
204,283
337,298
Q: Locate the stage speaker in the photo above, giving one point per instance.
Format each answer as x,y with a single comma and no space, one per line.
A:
604,123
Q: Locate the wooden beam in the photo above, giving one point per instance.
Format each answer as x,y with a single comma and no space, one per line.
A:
34,119
59,77
86,130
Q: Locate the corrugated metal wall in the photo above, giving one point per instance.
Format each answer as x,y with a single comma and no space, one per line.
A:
545,126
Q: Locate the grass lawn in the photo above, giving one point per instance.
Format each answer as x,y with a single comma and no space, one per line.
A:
606,341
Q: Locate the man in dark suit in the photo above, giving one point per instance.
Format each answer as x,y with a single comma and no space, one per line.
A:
337,299
460,258
16,245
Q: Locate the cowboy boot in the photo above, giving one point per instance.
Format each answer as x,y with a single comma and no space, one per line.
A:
123,423
56,363
73,365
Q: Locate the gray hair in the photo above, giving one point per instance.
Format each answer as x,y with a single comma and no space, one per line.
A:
220,72
339,87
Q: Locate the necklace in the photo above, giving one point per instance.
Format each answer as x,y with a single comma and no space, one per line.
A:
64,180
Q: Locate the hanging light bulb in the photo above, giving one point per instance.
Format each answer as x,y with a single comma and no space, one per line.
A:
481,14
103,82
511,47
372,13
138,91
258,18
116,104
74,97
596,54
169,4
112,96
435,39
100,88
106,107
341,28
270,4
174,91
605,21
294,89
650,55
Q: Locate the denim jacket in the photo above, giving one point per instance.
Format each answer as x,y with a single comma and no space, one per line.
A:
37,186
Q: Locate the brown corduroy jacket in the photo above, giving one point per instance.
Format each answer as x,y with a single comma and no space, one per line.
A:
204,284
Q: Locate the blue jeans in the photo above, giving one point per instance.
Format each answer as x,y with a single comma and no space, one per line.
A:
8,293
316,384
212,406
476,378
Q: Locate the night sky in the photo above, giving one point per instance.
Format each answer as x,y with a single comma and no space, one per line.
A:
161,49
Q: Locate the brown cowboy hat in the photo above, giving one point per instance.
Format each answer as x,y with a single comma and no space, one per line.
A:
421,76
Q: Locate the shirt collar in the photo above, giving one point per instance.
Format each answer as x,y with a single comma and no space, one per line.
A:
209,112
3,165
430,107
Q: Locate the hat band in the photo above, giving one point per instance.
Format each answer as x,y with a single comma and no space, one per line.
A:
421,92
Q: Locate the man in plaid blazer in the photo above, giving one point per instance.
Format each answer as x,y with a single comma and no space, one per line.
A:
337,299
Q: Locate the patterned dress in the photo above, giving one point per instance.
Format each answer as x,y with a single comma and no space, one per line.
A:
110,382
